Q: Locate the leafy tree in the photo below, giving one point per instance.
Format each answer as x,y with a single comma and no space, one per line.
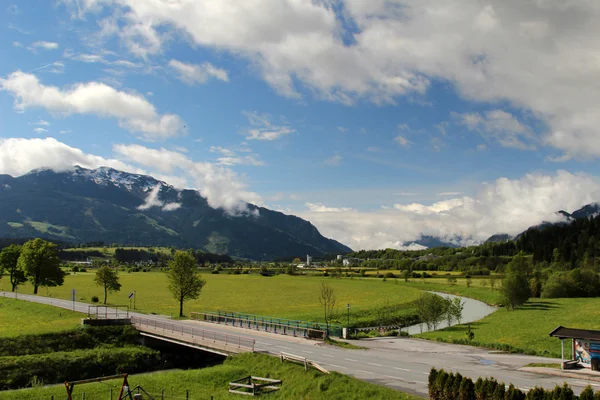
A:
515,287
457,308
9,257
327,299
40,264
184,282
431,309
108,278
587,393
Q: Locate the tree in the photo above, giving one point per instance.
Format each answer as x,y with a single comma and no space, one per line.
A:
457,308
40,264
515,289
327,299
405,275
184,282
108,278
9,257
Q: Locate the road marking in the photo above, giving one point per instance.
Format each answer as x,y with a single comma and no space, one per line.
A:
266,344
304,351
425,373
422,383
283,347
402,369
327,355
377,365
349,359
336,366
365,372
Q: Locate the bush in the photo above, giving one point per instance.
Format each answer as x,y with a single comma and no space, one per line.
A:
390,275
83,270
246,271
95,299
16,372
75,269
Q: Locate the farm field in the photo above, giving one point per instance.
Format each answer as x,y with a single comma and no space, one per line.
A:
479,290
110,251
21,317
527,328
213,381
281,296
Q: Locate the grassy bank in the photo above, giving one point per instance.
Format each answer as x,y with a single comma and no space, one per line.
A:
476,291
207,382
283,296
21,317
526,329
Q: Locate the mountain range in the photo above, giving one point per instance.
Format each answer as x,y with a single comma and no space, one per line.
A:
83,205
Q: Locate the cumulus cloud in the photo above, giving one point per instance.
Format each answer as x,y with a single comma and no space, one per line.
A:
221,186
396,48
500,126
193,73
132,111
40,130
261,127
503,206
19,156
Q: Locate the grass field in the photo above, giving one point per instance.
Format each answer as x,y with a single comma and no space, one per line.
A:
477,291
282,296
110,251
527,328
20,317
213,381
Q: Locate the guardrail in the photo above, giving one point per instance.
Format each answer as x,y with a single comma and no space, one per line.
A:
202,334
108,312
266,324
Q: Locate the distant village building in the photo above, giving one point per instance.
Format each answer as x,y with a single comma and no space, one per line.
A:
347,262
308,260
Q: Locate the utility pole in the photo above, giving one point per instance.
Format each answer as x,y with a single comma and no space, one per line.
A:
348,307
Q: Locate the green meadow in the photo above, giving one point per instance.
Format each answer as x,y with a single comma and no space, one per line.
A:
21,317
283,296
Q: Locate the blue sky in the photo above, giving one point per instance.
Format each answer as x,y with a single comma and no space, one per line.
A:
353,115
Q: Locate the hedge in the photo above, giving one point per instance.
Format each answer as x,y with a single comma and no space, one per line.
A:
448,386
17,372
77,339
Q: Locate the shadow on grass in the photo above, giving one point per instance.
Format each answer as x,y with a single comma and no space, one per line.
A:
539,305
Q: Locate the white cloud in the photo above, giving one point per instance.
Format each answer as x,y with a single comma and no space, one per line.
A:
132,111
64,131
373,149
45,45
503,206
262,128
500,126
193,73
402,141
396,48
450,193
222,187
40,130
342,129
19,156
230,157
13,9
334,160
171,206
152,200
321,208
42,122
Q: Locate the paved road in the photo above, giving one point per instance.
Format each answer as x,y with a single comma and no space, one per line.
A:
399,363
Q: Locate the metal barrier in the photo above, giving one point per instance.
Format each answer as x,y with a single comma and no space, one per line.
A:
266,325
252,320
204,335
108,312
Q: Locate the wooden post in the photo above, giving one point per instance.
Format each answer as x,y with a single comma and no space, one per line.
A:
162,394
187,395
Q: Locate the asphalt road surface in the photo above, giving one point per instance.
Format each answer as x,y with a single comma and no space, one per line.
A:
399,363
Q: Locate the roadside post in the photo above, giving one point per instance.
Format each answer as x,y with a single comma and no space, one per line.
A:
73,298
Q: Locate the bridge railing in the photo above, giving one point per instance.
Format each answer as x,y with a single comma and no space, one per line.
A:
203,334
108,312
272,325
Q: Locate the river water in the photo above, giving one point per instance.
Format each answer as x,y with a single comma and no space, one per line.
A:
474,310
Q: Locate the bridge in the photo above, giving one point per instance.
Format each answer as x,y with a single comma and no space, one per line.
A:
401,363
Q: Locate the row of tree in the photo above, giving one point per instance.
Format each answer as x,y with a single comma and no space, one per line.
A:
448,386
433,309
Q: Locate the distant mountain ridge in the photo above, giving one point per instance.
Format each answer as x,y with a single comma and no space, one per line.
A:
104,204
